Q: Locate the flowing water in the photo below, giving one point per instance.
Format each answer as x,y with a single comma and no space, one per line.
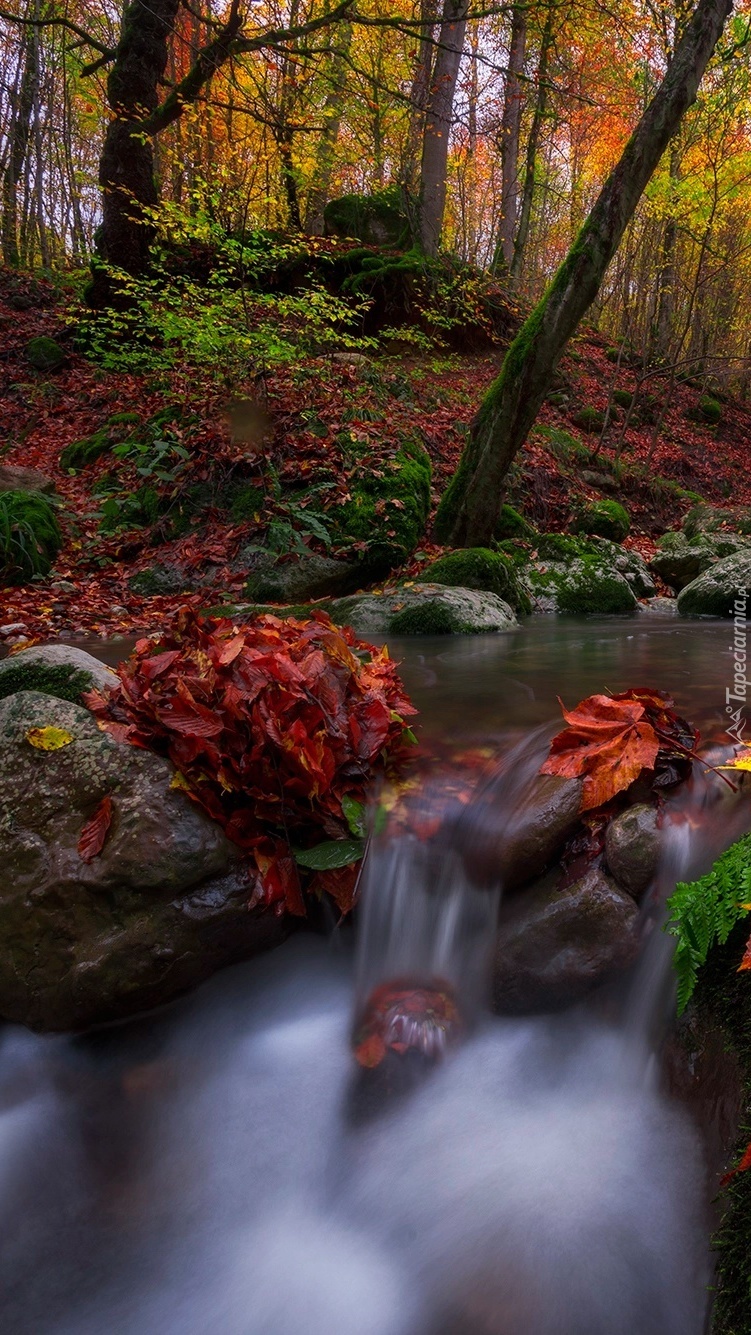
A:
213,1170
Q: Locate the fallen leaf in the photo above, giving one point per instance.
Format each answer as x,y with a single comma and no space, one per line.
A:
48,739
94,832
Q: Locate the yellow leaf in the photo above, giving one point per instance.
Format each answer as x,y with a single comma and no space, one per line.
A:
180,782
48,739
742,762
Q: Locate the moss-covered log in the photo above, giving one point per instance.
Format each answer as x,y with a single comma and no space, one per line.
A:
469,509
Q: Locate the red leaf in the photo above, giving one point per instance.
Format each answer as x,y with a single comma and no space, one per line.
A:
94,832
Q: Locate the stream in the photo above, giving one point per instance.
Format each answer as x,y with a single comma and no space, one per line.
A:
214,1169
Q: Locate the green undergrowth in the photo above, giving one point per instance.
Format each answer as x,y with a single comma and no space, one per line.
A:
30,536
703,913
388,509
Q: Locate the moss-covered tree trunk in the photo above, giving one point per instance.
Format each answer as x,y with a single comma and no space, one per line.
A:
510,133
469,510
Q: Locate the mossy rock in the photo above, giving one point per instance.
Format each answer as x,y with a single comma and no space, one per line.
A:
80,453
480,568
375,220
717,591
297,579
623,398
60,670
590,420
424,609
577,577
159,579
603,519
713,518
244,501
517,551
679,561
388,509
512,524
44,354
558,398
707,410
30,536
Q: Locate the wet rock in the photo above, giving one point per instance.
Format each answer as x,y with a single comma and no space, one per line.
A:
159,579
16,478
424,609
553,946
300,578
664,607
162,906
632,848
716,591
46,667
679,562
515,847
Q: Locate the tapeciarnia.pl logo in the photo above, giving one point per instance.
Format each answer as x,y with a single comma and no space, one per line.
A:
737,694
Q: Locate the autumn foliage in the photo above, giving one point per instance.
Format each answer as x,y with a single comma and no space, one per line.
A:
277,729
613,740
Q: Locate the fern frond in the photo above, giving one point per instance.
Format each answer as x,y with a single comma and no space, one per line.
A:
703,913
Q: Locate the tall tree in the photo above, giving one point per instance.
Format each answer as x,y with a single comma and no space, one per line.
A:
470,507
19,136
533,144
510,134
439,119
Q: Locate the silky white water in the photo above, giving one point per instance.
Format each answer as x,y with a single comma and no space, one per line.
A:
202,1173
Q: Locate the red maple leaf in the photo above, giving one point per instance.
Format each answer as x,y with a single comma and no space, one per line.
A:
94,832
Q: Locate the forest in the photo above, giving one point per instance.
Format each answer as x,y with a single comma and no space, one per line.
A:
375,385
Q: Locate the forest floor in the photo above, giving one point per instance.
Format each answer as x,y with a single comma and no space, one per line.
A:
328,417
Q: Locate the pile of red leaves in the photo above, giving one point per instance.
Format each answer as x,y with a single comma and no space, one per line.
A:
272,726
613,740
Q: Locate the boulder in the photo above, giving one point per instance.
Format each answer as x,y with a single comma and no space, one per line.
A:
632,848
554,945
159,579
515,846
158,910
576,576
297,579
480,568
61,670
679,561
631,565
44,354
15,478
423,609
712,518
716,592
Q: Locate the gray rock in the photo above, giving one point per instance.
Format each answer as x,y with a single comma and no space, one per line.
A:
553,946
424,609
41,656
579,587
159,579
679,562
631,565
716,591
516,846
161,907
299,578
664,607
710,518
15,478
632,848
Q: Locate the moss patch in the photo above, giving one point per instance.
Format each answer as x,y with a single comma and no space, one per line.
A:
603,519
30,536
428,618
389,507
480,568
590,420
60,680
44,354
512,524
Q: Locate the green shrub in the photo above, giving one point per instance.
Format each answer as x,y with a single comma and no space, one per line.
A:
511,524
603,519
623,398
30,536
590,420
704,912
479,568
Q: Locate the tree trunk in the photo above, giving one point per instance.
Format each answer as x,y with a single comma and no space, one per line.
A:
418,101
20,137
438,121
126,169
470,507
332,119
510,132
530,168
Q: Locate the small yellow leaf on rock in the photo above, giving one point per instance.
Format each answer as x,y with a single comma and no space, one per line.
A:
48,739
179,781
742,762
